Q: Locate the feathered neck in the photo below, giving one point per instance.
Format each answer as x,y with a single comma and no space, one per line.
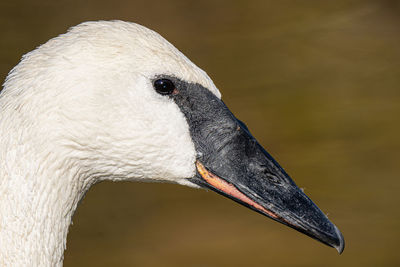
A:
38,197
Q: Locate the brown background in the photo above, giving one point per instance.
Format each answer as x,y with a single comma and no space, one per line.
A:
317,82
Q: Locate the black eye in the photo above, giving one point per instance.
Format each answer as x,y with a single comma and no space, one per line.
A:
164,86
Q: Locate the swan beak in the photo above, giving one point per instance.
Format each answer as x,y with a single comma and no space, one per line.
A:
231,162
242,170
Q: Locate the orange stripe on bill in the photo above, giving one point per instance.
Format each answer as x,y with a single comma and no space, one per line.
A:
229,189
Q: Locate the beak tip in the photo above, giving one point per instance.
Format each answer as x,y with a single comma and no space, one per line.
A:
340,246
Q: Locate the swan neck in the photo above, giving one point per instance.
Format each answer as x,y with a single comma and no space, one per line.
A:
36,207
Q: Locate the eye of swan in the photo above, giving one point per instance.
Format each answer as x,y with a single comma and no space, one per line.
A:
164,86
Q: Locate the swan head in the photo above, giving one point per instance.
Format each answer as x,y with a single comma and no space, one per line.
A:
114,100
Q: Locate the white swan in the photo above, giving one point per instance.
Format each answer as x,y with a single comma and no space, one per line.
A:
115,101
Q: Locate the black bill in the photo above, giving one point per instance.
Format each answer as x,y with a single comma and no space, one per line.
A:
231,162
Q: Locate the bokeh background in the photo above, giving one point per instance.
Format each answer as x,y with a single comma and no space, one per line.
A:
318,84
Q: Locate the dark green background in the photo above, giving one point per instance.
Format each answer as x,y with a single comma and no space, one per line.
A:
317,82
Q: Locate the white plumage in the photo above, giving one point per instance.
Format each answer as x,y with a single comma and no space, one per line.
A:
79,109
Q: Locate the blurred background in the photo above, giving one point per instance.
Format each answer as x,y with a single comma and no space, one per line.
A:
318,84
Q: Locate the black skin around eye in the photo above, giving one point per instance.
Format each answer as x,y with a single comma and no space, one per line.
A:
164,86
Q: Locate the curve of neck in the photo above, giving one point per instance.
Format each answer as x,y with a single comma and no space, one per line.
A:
37,202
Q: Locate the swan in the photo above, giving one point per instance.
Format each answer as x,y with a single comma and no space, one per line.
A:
113,100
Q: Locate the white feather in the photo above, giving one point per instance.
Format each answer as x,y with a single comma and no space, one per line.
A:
79,109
